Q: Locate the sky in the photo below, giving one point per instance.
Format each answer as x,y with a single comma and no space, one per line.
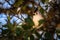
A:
3,17
6,5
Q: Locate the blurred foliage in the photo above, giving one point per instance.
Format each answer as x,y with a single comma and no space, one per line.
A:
48,36
25,31
44,1
41,21
42,11
18,3
19,32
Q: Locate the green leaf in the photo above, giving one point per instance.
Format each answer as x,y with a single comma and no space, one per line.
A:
42,11
33,30
24,8
10,26
18,32
25,27
31,37
26,35
46,1
18,3
43,1
48,35
58,30
8,18
29,23
41,21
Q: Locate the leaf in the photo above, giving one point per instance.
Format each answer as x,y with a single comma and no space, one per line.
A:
18,3
24,8
8,18
19,32
33,30
48,35
31,37
26,35
46,1
58,30
43,1
29,23
42,11
9,25
25,27
41,21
